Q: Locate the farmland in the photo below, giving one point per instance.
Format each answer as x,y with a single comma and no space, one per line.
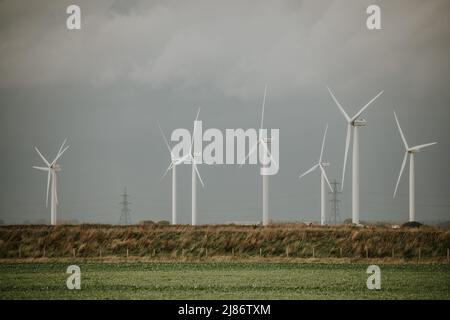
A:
223,280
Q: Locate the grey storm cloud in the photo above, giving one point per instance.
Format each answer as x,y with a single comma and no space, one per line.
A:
136,62
231,46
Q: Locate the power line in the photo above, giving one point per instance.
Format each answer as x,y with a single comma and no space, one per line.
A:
335,217
125,216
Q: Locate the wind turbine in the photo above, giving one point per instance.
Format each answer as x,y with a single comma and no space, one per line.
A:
174,161
411,151
195,173
263,142
353,124
323,179
52,168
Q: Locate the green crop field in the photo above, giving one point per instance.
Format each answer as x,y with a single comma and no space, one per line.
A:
223,280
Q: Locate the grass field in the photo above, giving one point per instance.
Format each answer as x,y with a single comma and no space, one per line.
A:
223,280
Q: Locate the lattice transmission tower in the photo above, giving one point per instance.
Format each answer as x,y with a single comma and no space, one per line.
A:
125,216
335,217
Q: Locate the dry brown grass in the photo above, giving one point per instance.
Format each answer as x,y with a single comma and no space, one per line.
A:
187,242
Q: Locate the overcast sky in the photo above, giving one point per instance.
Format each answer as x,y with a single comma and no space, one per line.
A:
134,63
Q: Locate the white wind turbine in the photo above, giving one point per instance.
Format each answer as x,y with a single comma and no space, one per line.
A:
323,178
174,161
52,168
192,158
411,151
263,142
353,124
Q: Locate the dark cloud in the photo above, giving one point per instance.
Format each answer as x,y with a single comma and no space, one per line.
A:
135,62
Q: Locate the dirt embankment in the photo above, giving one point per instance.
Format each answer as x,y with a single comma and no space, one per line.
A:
291,240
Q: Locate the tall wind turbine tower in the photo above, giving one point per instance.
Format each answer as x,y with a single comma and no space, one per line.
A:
323,178
264,143
192,157
51,169
353,124
411,151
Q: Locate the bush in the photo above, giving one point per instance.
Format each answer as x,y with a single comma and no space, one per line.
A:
412,224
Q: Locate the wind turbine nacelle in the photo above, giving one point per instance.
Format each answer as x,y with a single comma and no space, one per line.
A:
325,164
56,167
359,122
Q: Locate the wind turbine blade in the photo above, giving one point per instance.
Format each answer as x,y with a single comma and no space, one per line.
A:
268,152
325,176
165,140
401,131
41,168
45,160
366,106
420,147
339,105
193,131
347,144
263,105
198,174
59,156
323,143
253,149
167,170
400,174
48,186
62,145
308,171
